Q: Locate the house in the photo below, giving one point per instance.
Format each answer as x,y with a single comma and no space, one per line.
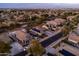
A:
67,49
19,18
70,18
20,35
77,30
59,21
52,23
74,38
56,22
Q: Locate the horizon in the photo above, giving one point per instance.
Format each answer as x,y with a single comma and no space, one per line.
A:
38,5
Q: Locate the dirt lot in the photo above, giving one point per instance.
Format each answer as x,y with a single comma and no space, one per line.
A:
4,37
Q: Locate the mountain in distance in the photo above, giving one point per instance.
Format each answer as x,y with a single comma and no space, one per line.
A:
38,5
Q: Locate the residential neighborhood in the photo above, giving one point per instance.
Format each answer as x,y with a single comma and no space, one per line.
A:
39,32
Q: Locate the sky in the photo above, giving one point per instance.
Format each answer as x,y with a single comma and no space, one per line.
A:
38,5
39,1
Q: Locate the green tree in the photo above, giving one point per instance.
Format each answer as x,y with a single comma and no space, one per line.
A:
65,30
4,47
36,48
70,26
